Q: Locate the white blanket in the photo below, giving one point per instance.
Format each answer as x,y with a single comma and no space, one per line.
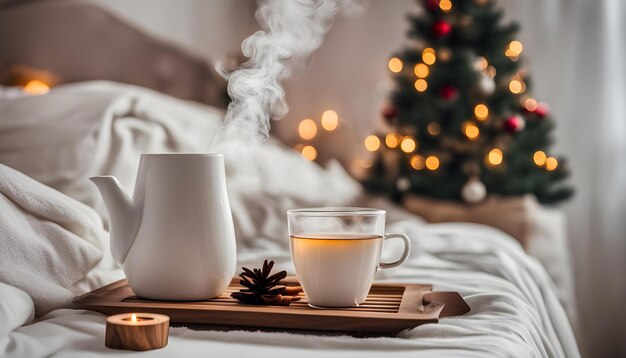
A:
515,312
98,128
101,129
48,241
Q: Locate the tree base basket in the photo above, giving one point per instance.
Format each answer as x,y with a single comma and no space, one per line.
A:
518,216
540,230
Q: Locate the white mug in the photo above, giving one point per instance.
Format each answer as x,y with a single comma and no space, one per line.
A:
336,253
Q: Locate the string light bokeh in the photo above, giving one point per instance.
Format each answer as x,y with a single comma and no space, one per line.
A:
372,143
432,162
408,144
395,65
421,85
418,162
36,87
495,157
429,56
471,131
330,120
308,130
309,152
540,158
481,111
421,70
392,140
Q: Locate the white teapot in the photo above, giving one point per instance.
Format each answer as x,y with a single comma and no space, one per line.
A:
175,238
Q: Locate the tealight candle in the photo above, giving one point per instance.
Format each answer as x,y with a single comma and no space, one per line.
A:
137,331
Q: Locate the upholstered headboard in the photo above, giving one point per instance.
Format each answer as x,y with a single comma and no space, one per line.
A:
71,41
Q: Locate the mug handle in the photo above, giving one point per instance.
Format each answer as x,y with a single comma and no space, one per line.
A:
405,254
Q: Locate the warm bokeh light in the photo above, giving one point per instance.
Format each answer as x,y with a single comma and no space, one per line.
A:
421,70
421,85
372,143
444,54
307,129
530,104
491,71
471,130
408,144
516,47
133,318
429,56
516,86
309,152
495,156
511,55
482,63
433,128
392,140
539,158
36,87
513,50
330,120
432,162
395,65
481,111
445,5
551,163
418,162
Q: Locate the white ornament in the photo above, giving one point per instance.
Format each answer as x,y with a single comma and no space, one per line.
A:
486,85
473,191
403,184
477,62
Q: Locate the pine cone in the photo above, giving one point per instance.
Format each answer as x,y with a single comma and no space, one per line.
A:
260,282
263,288
248,298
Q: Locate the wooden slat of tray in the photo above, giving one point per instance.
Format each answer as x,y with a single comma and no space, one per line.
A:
389,308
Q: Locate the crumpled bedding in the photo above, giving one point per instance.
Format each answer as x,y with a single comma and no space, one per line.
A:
514,311
48,241
100,128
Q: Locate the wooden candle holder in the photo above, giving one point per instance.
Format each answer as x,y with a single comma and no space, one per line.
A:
137,331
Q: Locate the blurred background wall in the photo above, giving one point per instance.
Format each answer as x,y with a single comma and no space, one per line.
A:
574,51
210,28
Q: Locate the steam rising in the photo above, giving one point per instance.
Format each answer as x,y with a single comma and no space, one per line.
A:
291,30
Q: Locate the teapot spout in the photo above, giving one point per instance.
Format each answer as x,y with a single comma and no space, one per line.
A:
124,216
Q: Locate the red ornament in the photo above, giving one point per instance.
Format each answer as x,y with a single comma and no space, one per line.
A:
449,92
542,110
441,28
390,112
514,124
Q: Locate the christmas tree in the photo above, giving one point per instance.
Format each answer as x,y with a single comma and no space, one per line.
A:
464,124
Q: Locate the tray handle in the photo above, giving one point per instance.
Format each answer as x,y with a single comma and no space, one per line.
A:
453,304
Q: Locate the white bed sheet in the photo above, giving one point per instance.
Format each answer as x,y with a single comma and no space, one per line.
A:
515,312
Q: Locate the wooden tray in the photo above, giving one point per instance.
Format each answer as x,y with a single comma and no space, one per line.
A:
389,309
